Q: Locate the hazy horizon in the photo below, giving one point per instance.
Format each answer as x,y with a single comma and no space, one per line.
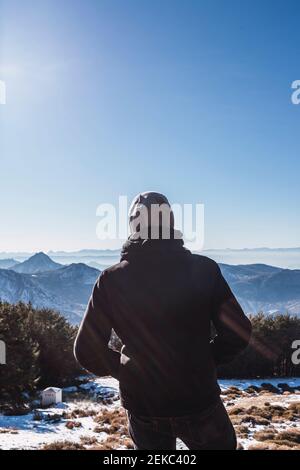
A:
286,258
47,251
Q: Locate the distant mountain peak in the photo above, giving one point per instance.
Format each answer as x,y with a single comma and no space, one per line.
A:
41,256
39,262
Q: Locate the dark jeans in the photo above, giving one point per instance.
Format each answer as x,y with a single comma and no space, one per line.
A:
209,430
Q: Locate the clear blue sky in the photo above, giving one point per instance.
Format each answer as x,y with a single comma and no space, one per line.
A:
113,97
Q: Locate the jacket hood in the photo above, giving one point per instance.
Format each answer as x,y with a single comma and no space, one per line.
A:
138,246
150,209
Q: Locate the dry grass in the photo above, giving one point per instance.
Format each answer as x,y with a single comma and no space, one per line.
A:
236,410
79,413
288,439
267,435
242,430
265,414
291,435
270,388
232,393
268,446
253,415
114,423
255,420
73,424
115,417
111,421
252,390
88,441
295,407
269,416
8,431
63,445
114,442
250,409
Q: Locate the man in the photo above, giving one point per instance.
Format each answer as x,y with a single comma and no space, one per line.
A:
161,300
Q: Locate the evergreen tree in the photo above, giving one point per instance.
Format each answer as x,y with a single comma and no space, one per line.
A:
55,337
39,350
270,349
21,371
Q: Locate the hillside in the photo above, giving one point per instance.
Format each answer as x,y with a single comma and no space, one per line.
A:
66,289
8,263
35,264
265,288
43,282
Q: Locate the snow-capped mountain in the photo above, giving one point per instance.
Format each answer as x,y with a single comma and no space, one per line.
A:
260,287
35,264
65,289
15,287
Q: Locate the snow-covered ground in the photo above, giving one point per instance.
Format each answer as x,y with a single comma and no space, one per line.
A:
45,426
224,383
26,433
245,383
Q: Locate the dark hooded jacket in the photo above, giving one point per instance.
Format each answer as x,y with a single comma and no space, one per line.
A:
161,300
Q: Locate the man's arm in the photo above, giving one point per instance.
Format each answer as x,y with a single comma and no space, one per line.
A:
232,326
91,345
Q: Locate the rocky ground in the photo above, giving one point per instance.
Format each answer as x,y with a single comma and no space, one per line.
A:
265,418
265,414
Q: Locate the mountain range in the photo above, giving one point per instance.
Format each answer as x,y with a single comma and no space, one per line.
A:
67,288
8,263
260,287
288,258
46,284
36,264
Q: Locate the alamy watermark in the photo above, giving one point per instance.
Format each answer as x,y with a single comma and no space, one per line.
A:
189,222
296,93
2,92
2,352
296,354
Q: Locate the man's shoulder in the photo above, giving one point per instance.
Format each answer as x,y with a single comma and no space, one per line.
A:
205,262
108,274
115,268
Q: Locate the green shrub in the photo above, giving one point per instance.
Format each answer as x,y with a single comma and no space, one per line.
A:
39,346
269,352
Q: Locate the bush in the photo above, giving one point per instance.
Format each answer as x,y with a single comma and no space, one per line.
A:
55,337
269,352
21,372
39,345
63,445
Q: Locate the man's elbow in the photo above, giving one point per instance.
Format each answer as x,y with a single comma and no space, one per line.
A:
81,353
88,359
78,353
